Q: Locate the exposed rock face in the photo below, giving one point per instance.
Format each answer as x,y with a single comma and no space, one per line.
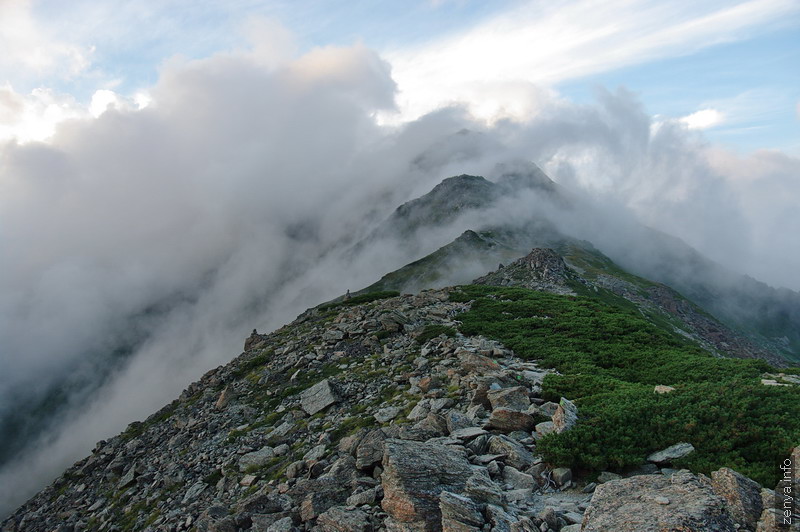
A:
541,269
415,474
654,503
742,494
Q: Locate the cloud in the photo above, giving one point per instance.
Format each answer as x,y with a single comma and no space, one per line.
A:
232,199
545,44
703,119
30,47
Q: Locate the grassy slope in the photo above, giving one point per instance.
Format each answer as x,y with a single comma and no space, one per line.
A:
610,357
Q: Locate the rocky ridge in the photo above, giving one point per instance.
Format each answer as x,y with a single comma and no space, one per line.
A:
375,416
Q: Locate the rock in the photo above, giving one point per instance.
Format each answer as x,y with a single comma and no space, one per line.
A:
128,478
544,428
315,453
414,475
673,452
517,479
256,459
459,513
565,416
318,397
509,420
743,495
193,492
481,489
630,505
549,408
319,496
660,388
248,480
607,476
516,455
369,452
467,434
364,497
562,476
225,397
457,421
384,415
515,398
498,518
571,528
341,519
284,524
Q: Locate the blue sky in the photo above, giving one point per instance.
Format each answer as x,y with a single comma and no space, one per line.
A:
735,62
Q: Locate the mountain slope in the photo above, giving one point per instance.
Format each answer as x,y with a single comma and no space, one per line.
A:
511,218
429,412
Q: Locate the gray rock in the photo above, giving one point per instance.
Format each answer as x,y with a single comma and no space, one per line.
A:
515,398
284,524
630,505
500,520
517,479
743,495
318,397
607,476
673,452
516,454
562,476
565,416
459,513
414,475
480,488
544,428
256,458
370,451
509,420
193,492
467,434
384,415
342,519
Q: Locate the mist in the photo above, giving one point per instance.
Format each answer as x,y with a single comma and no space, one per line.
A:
233,200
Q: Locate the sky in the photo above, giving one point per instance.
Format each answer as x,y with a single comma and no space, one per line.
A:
726,67
174,173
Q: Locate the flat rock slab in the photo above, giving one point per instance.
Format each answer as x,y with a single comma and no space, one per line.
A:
673,452
636,504
414,475
318,397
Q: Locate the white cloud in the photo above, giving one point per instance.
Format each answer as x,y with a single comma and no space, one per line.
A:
703,119
545,43
35,116
32,49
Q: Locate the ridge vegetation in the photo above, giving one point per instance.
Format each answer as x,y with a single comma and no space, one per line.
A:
608,359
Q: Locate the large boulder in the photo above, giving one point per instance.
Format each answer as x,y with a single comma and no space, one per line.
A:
515,398
654,503
514,453
742,494
508,420
414,475
318,397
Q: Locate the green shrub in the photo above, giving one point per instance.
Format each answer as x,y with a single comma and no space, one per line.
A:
610,356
